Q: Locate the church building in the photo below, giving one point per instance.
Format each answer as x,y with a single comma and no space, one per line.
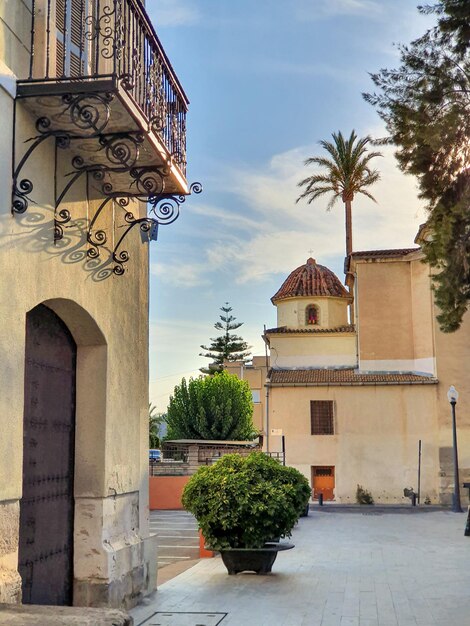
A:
357,380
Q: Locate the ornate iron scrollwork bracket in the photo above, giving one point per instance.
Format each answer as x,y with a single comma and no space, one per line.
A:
120,152
79,117
111,162
163,210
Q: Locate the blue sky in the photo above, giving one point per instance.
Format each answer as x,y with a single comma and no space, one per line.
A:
267,80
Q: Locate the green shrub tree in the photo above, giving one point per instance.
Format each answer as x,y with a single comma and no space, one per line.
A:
243,502
212,407
363,496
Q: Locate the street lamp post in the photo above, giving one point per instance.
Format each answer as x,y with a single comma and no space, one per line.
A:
453,396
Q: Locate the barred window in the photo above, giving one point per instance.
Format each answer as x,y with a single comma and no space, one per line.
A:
321,417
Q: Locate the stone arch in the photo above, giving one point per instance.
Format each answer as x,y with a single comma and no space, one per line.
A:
90,395
90,441
45,546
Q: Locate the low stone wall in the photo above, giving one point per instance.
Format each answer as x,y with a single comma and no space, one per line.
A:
166,491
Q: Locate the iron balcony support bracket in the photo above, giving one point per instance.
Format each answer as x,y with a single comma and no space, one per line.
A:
85,117
163,210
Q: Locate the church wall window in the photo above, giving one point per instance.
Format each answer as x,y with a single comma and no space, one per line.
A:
312,315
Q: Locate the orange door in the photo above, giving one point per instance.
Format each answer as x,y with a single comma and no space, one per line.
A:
323,481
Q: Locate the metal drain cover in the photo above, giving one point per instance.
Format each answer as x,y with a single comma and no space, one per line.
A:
175,618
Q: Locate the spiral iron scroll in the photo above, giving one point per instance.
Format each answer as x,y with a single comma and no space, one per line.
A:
102,25
164,210
88,113
61,217
98,238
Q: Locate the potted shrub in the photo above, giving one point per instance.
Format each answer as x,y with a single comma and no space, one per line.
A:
242,503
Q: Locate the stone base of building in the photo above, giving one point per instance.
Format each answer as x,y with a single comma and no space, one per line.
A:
134,578
32,615
114,566
127,590
10,586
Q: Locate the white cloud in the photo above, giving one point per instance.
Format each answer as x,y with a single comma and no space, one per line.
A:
297,68
284,231
175,13
173,342
270,234
314,9
224,216
187,275
271,253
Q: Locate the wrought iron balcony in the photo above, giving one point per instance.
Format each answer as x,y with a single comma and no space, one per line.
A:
100,49
101,85
107,46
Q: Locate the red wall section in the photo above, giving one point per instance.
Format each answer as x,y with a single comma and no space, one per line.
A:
166,491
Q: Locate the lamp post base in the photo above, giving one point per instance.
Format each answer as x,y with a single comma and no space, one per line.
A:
456,508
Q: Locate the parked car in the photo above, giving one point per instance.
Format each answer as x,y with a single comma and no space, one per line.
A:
155,456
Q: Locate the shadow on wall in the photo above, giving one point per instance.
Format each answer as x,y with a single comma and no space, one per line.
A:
38,235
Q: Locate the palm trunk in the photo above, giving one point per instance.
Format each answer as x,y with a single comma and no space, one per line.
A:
348,220
347,207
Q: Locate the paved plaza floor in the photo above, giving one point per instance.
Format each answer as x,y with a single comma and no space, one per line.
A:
178,537
347,569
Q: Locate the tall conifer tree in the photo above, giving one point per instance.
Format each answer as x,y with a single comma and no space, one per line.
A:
226,347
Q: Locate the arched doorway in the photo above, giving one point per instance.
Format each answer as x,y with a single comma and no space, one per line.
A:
47,505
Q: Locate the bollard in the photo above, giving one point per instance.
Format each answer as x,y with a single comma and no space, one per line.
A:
320,499
413,499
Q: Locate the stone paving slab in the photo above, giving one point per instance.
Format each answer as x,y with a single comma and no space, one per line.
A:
32,615
184,619
346,570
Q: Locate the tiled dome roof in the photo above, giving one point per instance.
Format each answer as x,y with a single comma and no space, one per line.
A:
311,279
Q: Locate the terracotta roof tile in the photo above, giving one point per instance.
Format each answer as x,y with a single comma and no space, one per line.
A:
394,253
311,279
344,376
350,328
383,253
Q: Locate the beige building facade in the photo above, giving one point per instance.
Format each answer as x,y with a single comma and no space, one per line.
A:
93,128
353,401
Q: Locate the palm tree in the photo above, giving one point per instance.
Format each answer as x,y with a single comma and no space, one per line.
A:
156,421
347,173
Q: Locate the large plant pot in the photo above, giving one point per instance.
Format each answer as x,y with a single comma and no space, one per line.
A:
258,560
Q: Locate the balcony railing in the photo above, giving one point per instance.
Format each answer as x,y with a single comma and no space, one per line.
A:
86,41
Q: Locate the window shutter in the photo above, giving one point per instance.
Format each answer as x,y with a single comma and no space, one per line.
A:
70,27
76,26
60,16
321,417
